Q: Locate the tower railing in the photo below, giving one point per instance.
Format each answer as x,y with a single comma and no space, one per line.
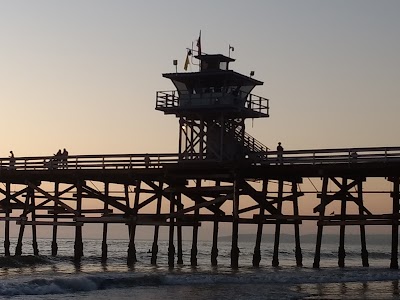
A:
172,99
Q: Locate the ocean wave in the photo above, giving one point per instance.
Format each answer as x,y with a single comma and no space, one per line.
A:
83,283
22,261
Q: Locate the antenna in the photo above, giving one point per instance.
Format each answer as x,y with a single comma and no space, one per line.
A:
231,48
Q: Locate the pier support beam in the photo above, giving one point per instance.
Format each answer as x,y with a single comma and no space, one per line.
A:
260,225
7,222
78,247
171,247
18,249
341,250
275,257
317,255
154,248
235,225
34,233
54,246
193,251
364,252
214,249
132,226
104,246
179,232
395,224
298,254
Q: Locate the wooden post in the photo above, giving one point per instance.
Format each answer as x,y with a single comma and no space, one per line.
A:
54,246
341,250
171,247
260,225
275,259
154,248
104,246
395,225
7,224
78,247
235,225
193,251
34,233
364,252
179,232
18,249
298,254
317,255
214,249
132,232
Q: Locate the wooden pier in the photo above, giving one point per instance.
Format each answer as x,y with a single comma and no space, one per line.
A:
220,174
251,191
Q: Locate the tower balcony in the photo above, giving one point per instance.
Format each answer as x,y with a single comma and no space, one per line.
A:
235,105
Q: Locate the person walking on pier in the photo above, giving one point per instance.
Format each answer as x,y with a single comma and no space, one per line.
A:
12,161
279,153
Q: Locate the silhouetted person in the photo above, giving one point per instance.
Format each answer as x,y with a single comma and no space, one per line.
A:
64,158
147,160
354,157
279,153
12,161
57,159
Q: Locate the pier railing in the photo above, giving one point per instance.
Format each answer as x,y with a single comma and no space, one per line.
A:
329,156
131,161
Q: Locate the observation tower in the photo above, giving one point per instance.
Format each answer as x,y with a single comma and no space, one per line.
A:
212,106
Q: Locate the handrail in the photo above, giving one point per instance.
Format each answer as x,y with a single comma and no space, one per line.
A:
349,156
171,99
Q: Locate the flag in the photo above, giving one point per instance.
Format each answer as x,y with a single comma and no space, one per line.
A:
187,60
199,44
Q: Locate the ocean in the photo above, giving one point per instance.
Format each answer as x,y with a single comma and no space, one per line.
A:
47,277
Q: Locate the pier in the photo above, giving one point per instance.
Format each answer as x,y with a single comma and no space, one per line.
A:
220,174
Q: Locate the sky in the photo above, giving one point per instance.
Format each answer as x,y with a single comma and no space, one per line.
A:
83,75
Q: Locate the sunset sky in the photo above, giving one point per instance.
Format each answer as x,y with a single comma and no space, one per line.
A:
83,75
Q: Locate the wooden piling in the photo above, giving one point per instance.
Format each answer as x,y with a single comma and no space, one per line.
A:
395,225
34,233
275,258
341,250
179,232
171,247
193,251
235,226
78,246
18,249
104,246
214,249
132,225
154,248
7,222
54,246
260,225
320,226
298,254
364,252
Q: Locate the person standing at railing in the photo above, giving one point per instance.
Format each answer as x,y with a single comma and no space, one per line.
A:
279,153
147,161
64,159
12,161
